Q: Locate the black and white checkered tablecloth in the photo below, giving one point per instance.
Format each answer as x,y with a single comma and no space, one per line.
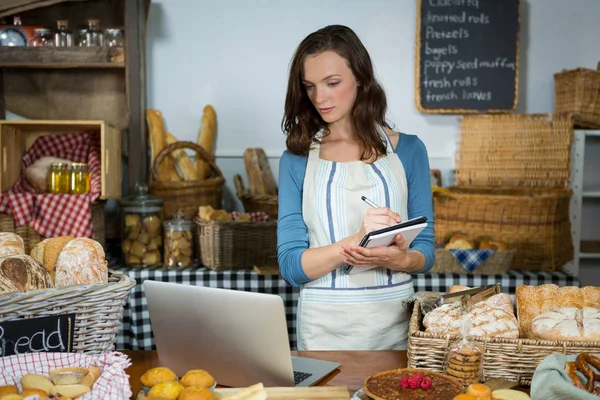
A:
136,333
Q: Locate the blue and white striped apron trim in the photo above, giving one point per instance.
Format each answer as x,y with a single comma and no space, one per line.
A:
358,295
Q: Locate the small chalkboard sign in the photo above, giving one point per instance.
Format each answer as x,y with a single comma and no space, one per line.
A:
467,57
52,334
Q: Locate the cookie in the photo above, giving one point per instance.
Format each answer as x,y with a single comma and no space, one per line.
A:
463,367
462,374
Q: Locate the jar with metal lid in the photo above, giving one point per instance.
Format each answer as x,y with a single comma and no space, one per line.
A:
80,178
82,38
63,37
94,36
179,242
42,37
58,178
141,228
114,38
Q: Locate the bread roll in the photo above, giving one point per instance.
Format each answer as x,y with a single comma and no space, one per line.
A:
48,250
81,262
458,288
11,243
21,273
568,323
206,139
535,300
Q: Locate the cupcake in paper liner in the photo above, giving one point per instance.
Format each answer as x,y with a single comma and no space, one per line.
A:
155,376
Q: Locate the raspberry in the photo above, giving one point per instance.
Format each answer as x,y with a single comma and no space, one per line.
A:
418,378
404,382
426,384
413,383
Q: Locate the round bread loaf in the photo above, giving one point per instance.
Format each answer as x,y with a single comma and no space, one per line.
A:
568,323
21,273
11,243
81,262
48,250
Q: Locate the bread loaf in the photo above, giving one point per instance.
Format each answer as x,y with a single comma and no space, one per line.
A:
21,273
568,323
535,300
493,317
47,251
158,141
186,167
260,177
11,243
37,173
206,139
81,262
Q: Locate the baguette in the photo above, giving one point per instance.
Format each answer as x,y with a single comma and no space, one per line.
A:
158,141
260,178
206,139
182,161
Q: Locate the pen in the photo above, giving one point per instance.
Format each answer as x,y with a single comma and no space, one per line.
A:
369,202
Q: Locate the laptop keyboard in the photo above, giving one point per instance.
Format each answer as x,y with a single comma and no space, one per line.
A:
300,376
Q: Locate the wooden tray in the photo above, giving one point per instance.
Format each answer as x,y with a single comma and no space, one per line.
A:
289,393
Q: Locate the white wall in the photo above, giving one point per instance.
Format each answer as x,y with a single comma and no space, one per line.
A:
234,54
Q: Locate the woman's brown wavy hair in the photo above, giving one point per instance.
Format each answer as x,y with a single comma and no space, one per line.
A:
301,121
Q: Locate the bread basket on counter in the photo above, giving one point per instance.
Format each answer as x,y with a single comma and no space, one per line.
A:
266,203
97,309
187,196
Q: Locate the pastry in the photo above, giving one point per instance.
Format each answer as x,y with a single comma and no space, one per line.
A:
81,262
22,273
11,243
479,391
412,384
196,393
582,365
166,390
458,288
568,324
157,375
509,394
197,377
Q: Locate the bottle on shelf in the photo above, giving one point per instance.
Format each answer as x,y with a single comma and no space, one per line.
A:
63,37
94,36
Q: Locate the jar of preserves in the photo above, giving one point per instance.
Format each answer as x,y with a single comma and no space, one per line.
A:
80,178
58,178
141,228
179,242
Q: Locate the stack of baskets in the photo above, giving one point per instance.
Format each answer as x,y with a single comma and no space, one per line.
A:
512,176
577,92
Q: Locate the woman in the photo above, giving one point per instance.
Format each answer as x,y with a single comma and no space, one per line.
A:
340,148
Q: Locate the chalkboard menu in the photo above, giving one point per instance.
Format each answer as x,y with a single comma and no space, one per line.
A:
32,335
467,56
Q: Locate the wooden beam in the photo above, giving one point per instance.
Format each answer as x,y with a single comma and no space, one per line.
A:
135,64
57,57
2,104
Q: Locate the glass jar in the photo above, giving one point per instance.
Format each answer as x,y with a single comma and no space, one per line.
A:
58,178
94,36
141,228
114,38
63,37
82,38
80,178
42,37
179,242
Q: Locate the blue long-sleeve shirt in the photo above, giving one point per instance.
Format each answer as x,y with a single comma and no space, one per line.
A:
292,233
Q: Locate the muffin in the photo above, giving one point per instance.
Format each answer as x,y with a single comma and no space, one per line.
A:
158,375
196,393
197,377
166,390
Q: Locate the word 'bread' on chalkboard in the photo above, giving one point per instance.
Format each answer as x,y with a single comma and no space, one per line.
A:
467,57
32,335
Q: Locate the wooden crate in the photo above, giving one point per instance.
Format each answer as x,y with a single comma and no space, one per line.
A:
16,137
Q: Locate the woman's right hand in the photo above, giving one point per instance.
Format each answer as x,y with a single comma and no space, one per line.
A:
376,218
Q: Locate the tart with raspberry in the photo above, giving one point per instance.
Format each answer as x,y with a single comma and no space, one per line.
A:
412,384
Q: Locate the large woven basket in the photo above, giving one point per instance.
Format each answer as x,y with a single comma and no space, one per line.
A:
577,92
187,196
496,264
236,245
535,222
256,203
32,237
98,310
514,150
511,359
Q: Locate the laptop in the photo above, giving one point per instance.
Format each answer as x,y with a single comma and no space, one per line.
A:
239,337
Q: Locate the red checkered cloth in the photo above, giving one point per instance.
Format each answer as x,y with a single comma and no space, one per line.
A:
54,215
113,383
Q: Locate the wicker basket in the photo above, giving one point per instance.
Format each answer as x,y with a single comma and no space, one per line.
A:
187,196
578,92
511,359
31,237
98,309
268,204
496,264
535,222
236,245
515,150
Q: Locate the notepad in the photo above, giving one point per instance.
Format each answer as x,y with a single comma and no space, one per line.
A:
385,237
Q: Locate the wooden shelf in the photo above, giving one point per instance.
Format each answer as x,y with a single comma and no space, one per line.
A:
61,57
590,249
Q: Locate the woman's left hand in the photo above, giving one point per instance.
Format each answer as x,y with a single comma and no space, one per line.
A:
393,257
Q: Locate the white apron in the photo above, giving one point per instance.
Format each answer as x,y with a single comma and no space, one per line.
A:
362,311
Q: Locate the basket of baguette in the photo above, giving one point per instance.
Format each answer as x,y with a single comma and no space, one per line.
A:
505,341
235,240
181,183
64,276
483,256
261,195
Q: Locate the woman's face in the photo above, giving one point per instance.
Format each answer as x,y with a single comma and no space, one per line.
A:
330,85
